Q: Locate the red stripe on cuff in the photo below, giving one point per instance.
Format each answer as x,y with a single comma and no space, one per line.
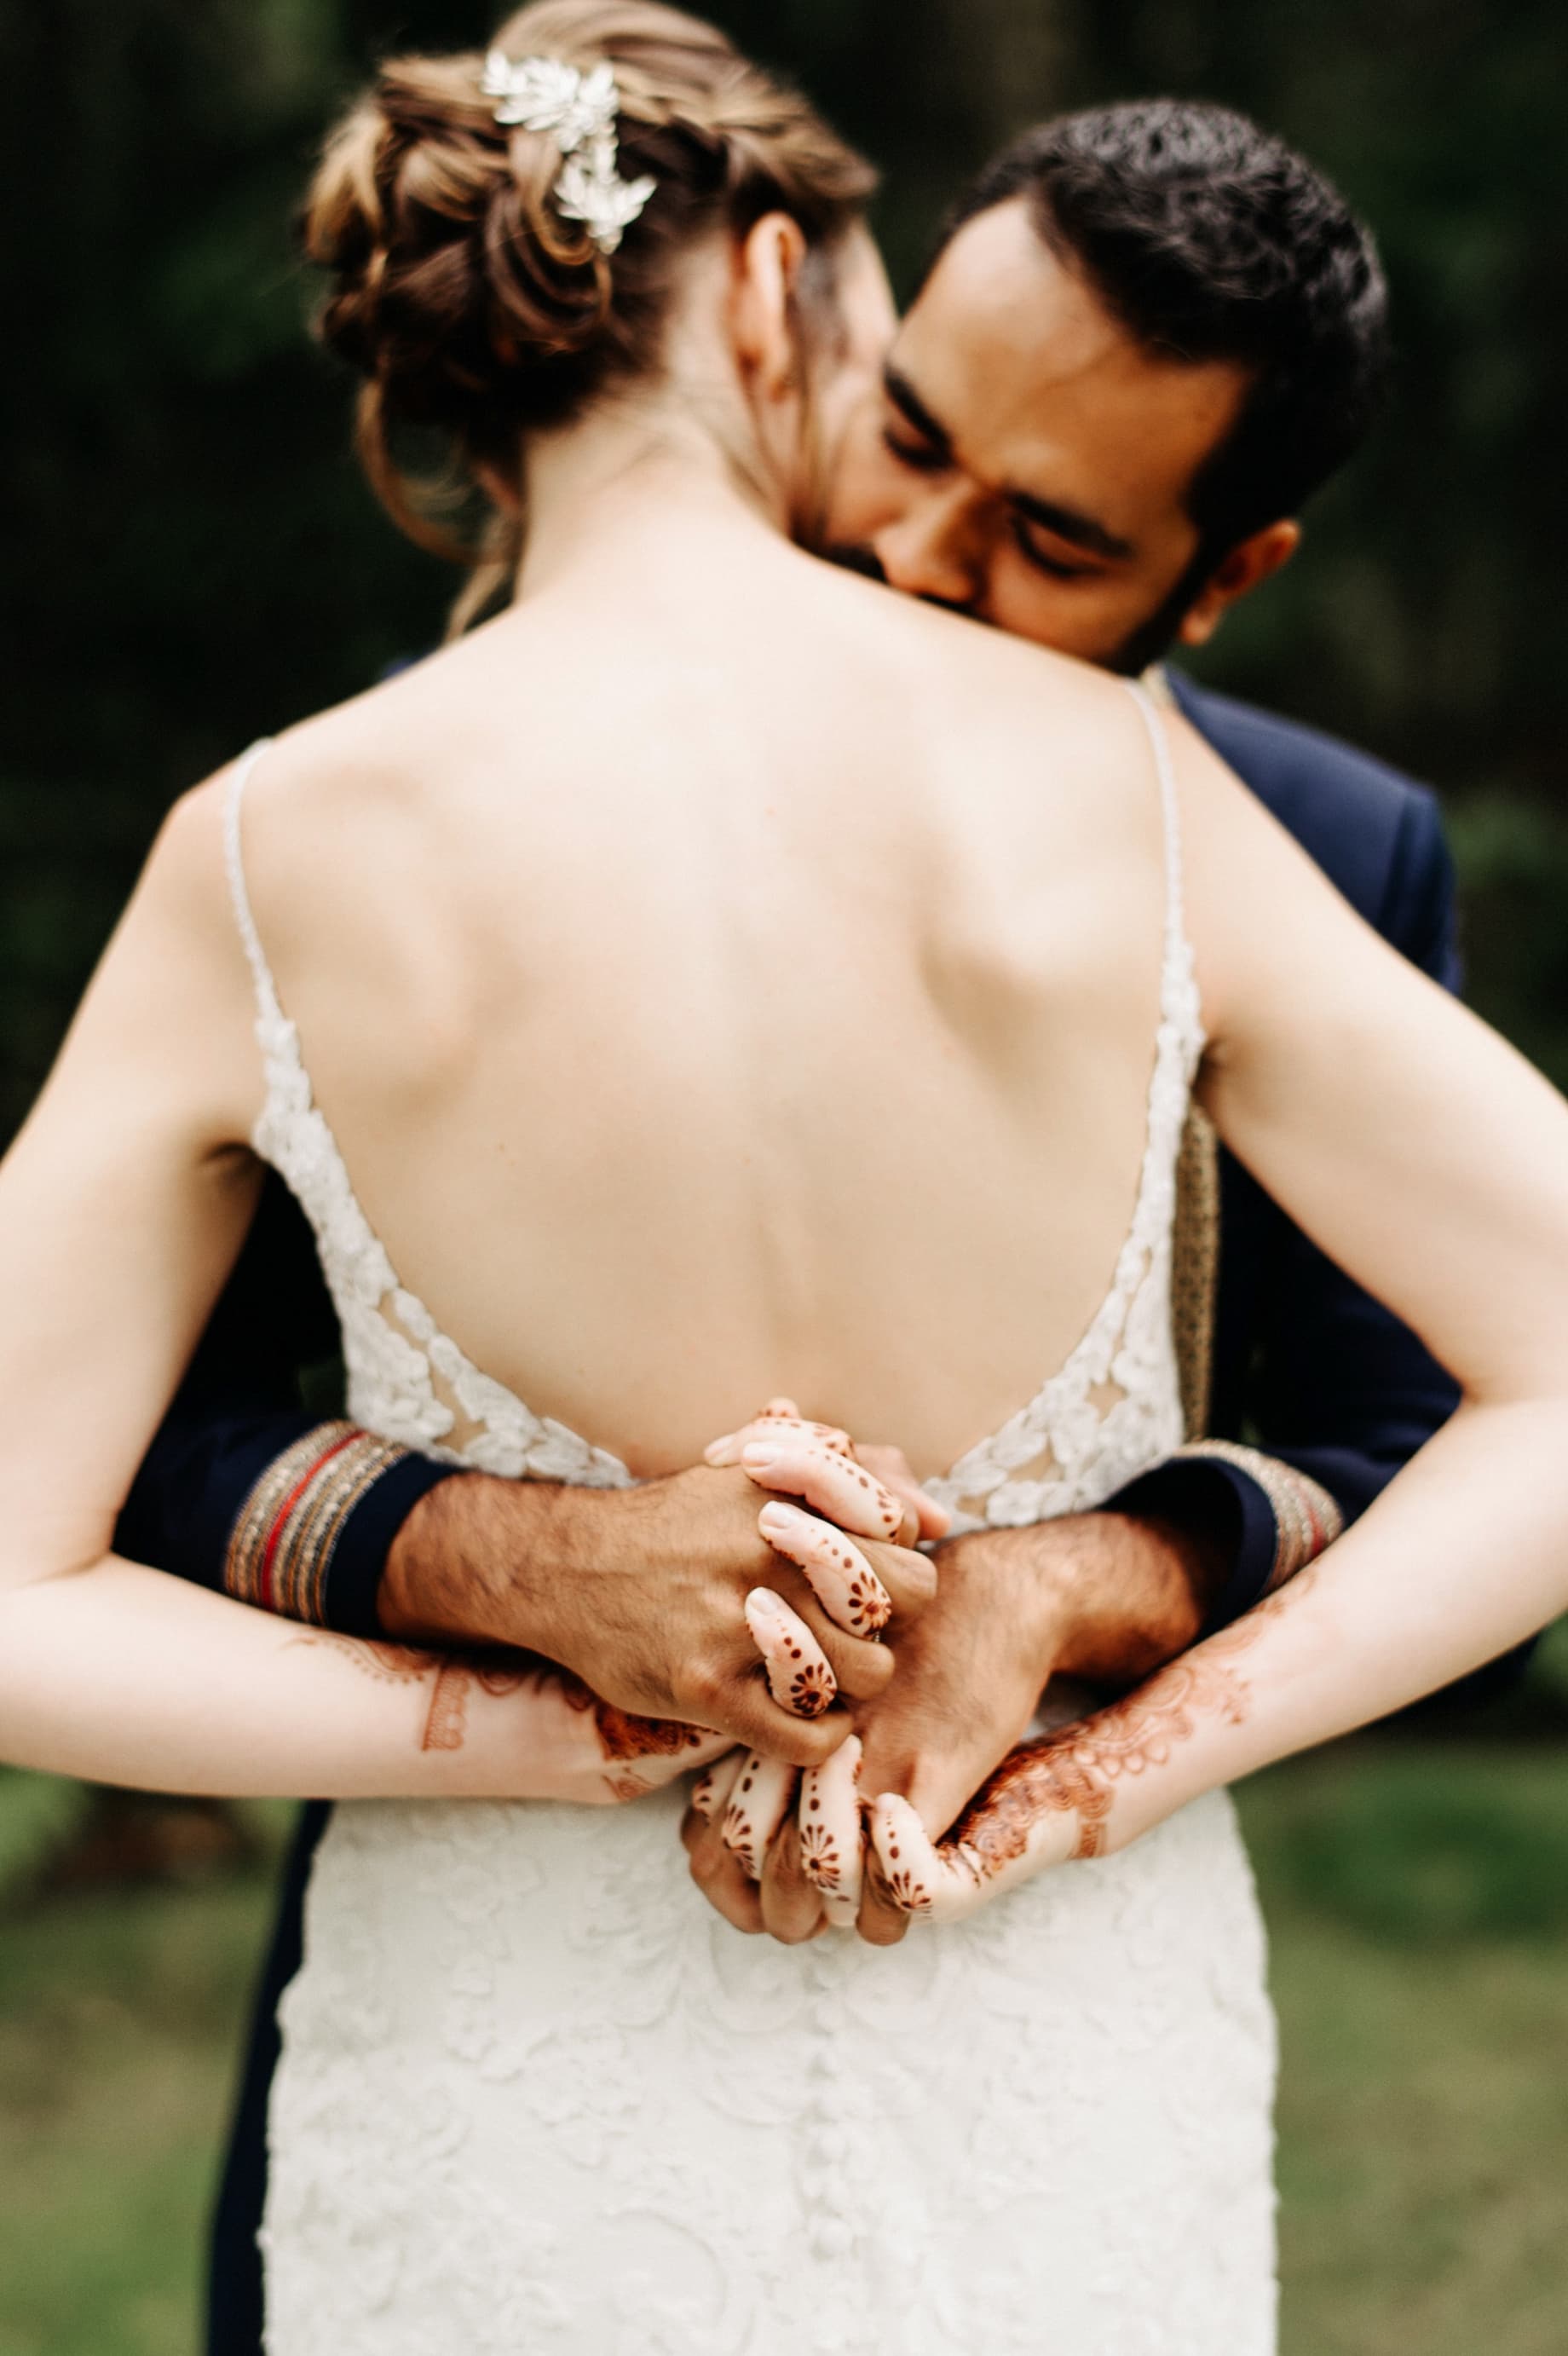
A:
280,1521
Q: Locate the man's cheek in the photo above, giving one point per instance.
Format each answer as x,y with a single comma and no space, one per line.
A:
1070,621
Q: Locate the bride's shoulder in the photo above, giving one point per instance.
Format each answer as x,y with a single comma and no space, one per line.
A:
344,786
1005,688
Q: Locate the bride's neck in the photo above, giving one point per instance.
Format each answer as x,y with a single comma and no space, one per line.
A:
632,479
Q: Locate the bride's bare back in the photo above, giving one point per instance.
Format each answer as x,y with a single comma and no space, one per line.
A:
721,977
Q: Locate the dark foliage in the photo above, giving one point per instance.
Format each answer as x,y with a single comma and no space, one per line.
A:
191,559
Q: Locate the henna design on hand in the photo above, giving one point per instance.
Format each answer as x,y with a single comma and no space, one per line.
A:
622,1734
841,1579
780,1419
1015,1818
832,1843
799,1676
757,1808
712,1790
836,1484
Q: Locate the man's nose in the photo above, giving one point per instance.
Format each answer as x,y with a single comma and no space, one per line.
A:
935,548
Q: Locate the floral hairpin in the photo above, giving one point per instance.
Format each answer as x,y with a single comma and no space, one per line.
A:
542,94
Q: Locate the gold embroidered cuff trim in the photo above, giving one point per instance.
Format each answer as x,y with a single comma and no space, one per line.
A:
1195,1267
282,1548
1305,1517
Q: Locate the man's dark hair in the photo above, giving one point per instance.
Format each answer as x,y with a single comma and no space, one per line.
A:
1210,239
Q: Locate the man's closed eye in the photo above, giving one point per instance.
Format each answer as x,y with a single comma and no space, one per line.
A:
924,458
1056,566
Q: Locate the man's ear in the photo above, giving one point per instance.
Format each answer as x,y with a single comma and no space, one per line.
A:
767,265
1250,563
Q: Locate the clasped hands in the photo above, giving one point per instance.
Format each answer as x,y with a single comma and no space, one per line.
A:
850,1840
855,1780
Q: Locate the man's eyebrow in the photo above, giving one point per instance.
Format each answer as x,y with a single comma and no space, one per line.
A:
1080,530
1067,523
905,399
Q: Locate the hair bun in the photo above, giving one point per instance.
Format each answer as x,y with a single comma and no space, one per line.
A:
460,286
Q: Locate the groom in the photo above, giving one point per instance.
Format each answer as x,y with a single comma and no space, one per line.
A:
1151,334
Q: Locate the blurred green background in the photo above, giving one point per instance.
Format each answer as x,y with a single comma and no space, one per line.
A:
191,560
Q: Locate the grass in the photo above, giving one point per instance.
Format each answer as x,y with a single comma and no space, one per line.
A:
1417,1900
1417,1894
119,2014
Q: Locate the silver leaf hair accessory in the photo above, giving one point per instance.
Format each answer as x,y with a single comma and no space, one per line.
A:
542,94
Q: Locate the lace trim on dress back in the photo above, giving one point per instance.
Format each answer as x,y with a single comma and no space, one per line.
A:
407,1380
1109,1412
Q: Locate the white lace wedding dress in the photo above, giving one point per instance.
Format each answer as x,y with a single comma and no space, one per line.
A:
535,2097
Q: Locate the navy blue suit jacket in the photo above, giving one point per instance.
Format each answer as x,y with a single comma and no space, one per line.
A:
1306,1365
1304,1361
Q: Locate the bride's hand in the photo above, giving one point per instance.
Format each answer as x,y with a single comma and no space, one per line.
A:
1039,1809
1087,1788
781,1452
574,1747
739,1808
786,1451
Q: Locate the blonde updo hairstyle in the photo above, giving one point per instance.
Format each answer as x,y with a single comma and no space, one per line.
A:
469,304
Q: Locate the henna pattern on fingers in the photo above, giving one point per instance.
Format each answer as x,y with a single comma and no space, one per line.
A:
781,1420
836,1484
799,1677
712,1790
832,1843
843,1581
756,1809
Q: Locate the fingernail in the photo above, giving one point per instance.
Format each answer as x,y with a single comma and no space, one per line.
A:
716,1447
759,1457
763,1599
785,1519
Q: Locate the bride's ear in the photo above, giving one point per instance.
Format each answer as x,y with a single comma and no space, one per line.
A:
763,321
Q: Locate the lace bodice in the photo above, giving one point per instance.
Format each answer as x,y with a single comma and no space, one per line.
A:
1111,1408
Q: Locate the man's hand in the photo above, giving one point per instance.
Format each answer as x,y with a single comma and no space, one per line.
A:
657,1597
1101,1597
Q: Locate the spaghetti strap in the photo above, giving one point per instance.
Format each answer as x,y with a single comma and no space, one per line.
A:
1170,808
234,859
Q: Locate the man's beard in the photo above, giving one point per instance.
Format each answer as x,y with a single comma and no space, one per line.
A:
1151,639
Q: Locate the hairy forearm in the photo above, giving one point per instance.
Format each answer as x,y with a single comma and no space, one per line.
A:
1116,1594
479,1560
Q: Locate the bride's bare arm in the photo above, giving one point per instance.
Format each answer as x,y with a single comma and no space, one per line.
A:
121,1206
1431,1164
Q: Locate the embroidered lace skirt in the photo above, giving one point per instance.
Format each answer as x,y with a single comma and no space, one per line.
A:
536,2096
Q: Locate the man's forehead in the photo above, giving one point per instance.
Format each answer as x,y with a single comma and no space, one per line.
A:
999,283
1023,363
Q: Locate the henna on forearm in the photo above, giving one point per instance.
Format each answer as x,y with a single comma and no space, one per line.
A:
1054,1797
1074,1771
451,1677
624,1740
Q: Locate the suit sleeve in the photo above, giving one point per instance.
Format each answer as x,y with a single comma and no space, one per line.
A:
1340,1394
244,1489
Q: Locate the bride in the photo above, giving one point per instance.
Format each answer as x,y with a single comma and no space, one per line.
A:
712,974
